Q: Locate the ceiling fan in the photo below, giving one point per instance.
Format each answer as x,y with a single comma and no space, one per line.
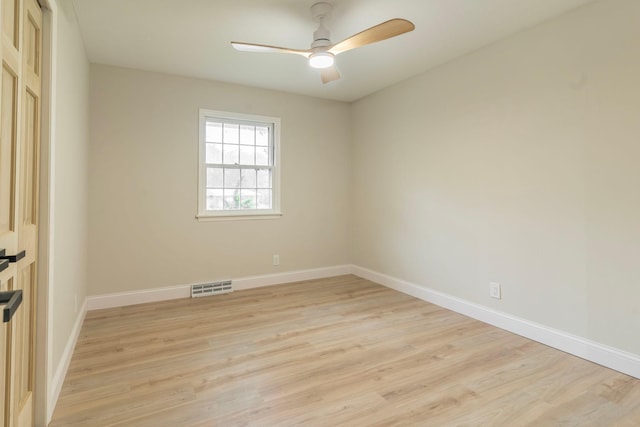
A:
322,52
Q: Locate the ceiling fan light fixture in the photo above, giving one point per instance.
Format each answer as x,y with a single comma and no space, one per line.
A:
321,59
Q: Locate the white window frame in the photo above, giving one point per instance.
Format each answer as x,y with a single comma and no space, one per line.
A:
244,214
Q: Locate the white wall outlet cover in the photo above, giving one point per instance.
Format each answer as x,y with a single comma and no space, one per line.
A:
494,290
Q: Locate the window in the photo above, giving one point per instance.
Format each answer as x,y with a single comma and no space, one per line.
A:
239,175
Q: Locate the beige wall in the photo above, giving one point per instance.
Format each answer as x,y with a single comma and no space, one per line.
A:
515,164
69,183
143,180
519,164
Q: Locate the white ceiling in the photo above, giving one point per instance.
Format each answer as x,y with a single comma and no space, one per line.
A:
191,37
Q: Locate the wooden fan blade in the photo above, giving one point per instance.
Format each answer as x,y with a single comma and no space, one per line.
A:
262,48
386,30
329,74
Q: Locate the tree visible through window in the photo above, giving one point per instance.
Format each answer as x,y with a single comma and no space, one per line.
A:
238,164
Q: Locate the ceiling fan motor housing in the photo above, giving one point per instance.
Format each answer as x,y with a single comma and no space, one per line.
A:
321,37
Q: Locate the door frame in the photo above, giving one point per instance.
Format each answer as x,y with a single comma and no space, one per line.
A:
45,397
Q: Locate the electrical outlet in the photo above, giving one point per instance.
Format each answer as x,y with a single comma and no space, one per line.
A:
494,290
276,259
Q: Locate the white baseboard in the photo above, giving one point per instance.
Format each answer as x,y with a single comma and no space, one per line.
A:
65,360
122,299
290,277
601,354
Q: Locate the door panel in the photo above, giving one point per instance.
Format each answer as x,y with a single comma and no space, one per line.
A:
8,146
32,41
10,17
20,51
23,380
29,162
6,352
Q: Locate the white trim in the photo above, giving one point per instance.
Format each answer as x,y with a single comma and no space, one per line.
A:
65,360
601,354
238,217
121,299
290,277
46,389
274,123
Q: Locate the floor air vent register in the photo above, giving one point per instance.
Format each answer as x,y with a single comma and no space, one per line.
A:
207,289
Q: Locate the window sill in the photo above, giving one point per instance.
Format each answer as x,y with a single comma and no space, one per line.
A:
237,217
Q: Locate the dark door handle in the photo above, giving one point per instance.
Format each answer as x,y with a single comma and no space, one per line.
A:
13,258
12,299
4,263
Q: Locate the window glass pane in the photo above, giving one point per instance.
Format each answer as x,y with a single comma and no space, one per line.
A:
247,135
262,156
239,200
248,199
247,155
264,178
214,153
232,178
231,133
214,177
231,154
264,199
214,200
262,135
248,178
213,132
231,199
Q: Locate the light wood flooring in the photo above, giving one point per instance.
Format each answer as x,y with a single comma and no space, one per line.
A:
332,352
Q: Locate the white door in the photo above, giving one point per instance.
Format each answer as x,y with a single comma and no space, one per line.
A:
20,50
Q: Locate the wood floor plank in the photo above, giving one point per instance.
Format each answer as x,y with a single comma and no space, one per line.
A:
330,352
